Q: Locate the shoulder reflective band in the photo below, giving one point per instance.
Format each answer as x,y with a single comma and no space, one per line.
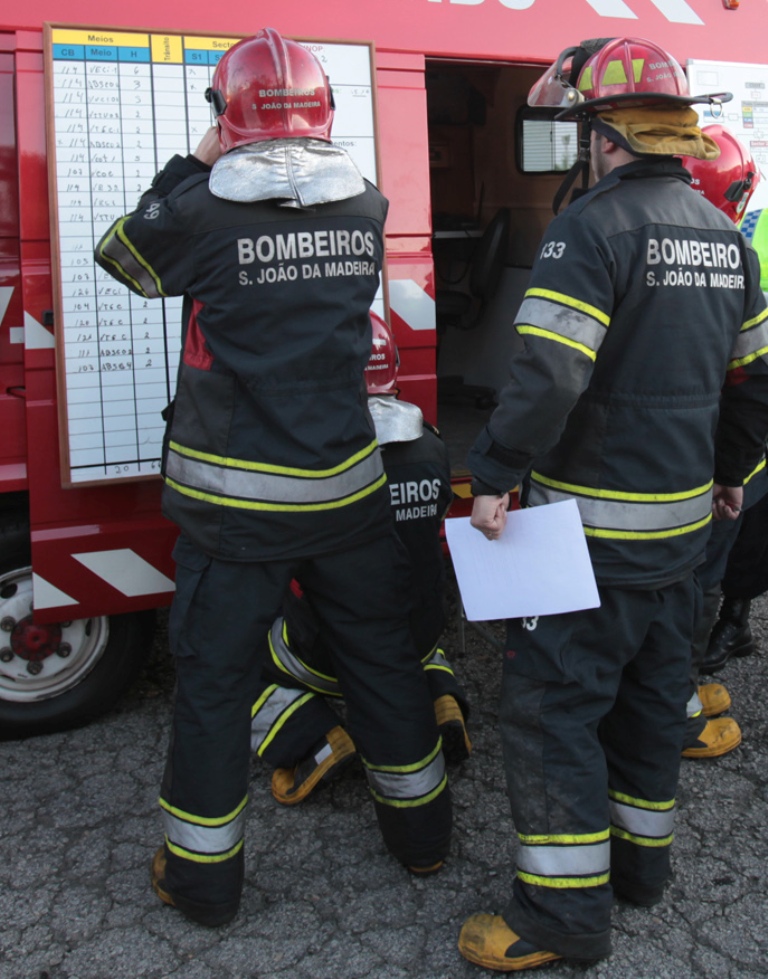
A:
648,516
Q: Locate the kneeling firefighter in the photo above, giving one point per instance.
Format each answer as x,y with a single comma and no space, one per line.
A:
294,728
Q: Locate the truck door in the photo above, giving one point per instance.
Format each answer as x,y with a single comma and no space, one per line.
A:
494,170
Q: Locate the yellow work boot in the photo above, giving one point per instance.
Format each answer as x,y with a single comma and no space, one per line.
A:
158,877
714,698
335,751
450,722
487,940
210,915
433,868
719,736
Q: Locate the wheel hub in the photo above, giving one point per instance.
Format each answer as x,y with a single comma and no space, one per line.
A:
35,643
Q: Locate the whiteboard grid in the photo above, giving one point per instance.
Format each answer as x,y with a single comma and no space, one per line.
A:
121,105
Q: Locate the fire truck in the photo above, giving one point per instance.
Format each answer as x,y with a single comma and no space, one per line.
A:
470,172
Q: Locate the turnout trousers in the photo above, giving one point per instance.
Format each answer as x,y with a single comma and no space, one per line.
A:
592,721
218,627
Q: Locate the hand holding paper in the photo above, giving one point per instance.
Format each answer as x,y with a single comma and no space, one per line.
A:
539,565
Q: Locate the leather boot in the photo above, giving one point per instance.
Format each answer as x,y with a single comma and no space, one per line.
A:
731,635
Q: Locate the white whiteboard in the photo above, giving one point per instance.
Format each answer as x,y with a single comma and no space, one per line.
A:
120,104
746,116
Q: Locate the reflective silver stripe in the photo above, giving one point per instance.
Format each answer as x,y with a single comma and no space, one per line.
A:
628,515
694,705
294,667
562,320
652,823
750,342
204,839
569,860
437,661
120,254
270,712
407,785
239,483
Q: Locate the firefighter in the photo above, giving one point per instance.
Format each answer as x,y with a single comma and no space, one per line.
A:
294,729
642,297
727,182
271,468
746,572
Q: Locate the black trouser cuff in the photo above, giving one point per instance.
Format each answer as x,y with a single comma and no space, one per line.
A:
591,946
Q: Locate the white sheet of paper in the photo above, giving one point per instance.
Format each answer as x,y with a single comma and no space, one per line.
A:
539,566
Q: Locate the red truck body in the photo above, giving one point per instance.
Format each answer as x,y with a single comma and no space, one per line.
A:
105,550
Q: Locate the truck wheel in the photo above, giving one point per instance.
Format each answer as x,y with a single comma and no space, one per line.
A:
64,674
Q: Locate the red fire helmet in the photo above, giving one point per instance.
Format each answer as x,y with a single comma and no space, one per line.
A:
729,181
614,73
267,87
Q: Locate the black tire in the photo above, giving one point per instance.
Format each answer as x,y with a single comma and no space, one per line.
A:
105,655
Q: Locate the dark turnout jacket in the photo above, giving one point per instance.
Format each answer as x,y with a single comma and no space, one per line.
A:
644,375
271,452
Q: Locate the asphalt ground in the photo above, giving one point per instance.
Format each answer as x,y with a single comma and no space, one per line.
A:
323,899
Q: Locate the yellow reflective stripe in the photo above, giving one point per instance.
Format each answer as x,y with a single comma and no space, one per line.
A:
604,494
406,769
563,882
118,234
646,841
569,838
585,81
297,669
189,817
560,297
755,320
744,339
436,661
203,857
275,507
647,534
756,470
434,653
557,338
266,467
263,699
123,272
615,73
743,361
642,803
284,715
410,803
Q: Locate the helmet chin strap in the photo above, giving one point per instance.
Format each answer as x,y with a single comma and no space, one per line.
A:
581,166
